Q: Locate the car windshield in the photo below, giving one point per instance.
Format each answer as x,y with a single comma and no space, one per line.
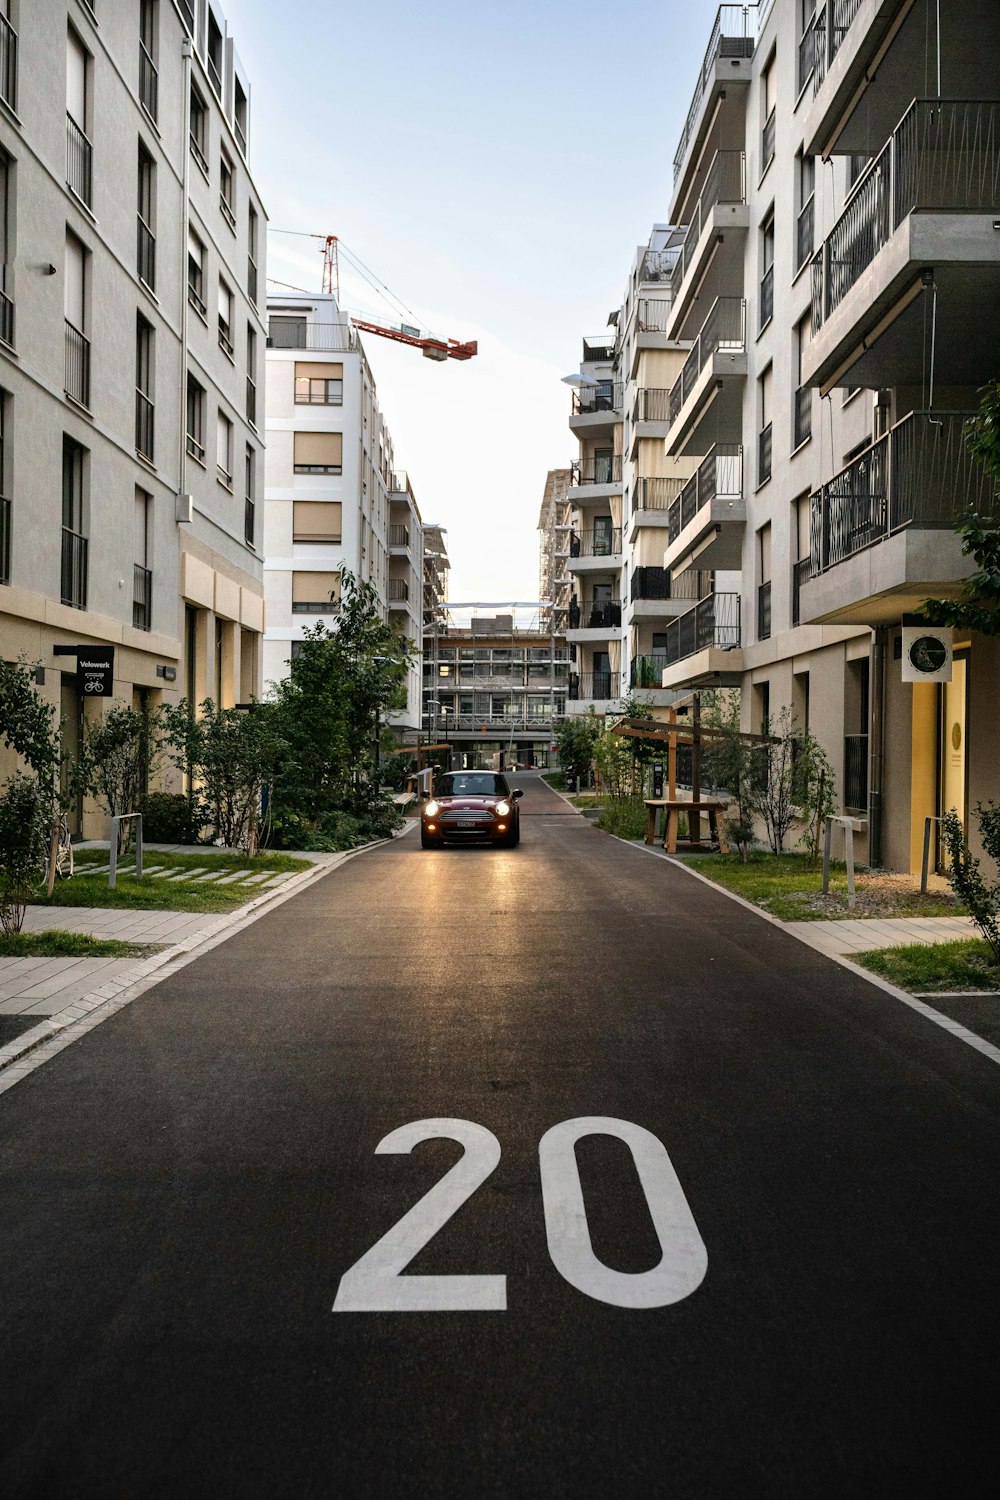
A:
471,784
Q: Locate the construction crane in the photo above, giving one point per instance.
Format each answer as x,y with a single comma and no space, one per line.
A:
401,333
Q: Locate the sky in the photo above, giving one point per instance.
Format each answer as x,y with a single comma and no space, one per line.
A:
496,167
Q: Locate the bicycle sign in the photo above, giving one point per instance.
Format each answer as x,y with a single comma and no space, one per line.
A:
95,671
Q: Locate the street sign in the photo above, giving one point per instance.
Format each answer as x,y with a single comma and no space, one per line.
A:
95,671
657,778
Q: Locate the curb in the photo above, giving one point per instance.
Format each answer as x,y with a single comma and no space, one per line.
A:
962,1033
28,1051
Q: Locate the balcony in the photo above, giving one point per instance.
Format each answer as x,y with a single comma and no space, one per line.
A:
600,350
722,80
399,592
881,531
703,644
650,414
144,424
79,162
658,265
596,408
710,386
8,64
921,215
73,582
595,551
593,687
297,333
148,83
77,383
711,258
593,619
596,479
707,518
399,538
142,598
647,671
4,539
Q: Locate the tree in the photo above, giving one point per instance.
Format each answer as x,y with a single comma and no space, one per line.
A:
29,727
230,756
965,875
24,828
116,758
727,759
575,738
978,607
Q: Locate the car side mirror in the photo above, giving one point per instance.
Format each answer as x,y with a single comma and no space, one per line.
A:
517,792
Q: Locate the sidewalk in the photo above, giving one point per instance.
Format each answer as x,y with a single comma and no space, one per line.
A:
844,936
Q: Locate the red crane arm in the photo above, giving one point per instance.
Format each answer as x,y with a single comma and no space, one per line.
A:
432,348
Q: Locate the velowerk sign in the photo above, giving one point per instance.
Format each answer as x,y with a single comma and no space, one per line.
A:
95,671
926,653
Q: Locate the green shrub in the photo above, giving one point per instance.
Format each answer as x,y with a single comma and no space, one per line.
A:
169,818
23,844
979,895
624,816
555,779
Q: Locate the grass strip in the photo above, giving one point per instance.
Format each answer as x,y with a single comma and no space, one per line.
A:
155,894
932,968
790,887
57,943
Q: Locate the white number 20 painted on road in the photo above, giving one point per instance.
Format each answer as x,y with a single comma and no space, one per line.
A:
375,1283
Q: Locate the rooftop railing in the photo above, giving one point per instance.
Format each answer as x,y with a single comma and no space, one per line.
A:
733,35
723,331
720,473
714,621
600,350
725,182
944,154
297,333
920,473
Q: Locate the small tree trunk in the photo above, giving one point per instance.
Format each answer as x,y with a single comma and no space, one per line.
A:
50,883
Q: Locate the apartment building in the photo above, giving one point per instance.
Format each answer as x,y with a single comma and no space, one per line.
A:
131,348
333,497
836,188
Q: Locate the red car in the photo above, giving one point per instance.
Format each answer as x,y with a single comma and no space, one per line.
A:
471,806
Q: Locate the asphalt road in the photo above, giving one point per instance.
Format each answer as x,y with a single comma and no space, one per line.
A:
183,1191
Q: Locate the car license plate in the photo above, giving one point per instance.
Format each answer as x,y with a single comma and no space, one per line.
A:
470,822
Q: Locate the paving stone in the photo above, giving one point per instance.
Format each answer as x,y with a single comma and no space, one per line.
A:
187,874
236,875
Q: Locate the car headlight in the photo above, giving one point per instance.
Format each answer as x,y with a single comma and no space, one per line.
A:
502,809
431,810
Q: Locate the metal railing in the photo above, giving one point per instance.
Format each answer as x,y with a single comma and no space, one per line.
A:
249,521
325,606
399,591
145,253
652,314
720,474
77,365
225,337
241,135
398,536
214,73
800,572
195,298
8,63
7,319
5,514
73,580
856,773
650,583
652,404
944,154
142,597
725,182
252,279
723,331
805,233
251,401
600,350
79,161
766,297
655,494
807,45
764,611
647,671
767,137
228,212
595,614
601,542
144,424
831,25
658,265
587,687
733,35
692,584
606,469
148,82
919,473
298,334
607,396
802,416
764,454
714,621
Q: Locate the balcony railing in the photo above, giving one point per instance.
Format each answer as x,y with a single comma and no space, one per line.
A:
723,331
142,597
725,182
325,606
600,350
595,614
920,473
296,333
398,536
652,314
7,319
856,774
651,404
693,584
79,161
215,74
251,401
714,621
720,473
767,137
733,35
4,539
650,583
601,542
802,420
764,611
606,469
943,155
399,591
8,63
764,454
148,82
800,572
766,297
77,365
252,279
145,253
249,521
832,23
593,687
807,45
647,671
805,234
655,494
607,396
658,265
143,425
73,589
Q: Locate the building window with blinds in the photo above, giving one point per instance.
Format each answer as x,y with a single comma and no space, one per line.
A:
316,521
318,452
319,385
315,593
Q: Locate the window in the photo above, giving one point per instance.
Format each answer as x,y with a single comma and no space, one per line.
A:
764,398
196,273
249,503
767,270
195,419
800,551
805,243
145,211
802,419
764,585
8,58
214,57
318,452
77,384
74,543
767,135
6,300
142,577
316,521
144,348
319,385
227,191
253,224
225,319
4,498
79,152
315,593
198,130
240,114
148,81
224,453
251,375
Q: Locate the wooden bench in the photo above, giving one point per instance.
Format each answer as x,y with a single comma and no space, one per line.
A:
673,808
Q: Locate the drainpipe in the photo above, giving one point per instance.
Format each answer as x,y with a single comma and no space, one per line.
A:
186,54
876,769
